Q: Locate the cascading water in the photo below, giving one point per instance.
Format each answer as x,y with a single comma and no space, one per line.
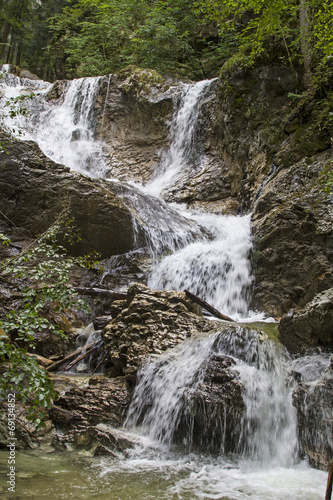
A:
207,254
267,430
64,129
216,268
183,149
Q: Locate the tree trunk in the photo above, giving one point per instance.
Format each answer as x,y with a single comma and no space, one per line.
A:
305,40
207,306
18,53
4,40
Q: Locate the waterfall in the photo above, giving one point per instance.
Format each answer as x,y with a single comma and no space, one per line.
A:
216,268
184,149
267,430
63,128
253,436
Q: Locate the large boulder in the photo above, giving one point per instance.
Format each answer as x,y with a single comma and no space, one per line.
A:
101,400
35,190
148,323
215,409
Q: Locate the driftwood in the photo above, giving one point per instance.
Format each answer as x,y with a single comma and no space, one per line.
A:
328,495
84,355
101,291
69,357
207,306
105,355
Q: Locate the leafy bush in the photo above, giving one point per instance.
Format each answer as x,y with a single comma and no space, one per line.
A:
40,276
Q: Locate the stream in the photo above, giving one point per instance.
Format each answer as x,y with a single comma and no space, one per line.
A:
212,260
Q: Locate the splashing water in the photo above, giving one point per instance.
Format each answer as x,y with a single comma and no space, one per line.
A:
216,268
267,431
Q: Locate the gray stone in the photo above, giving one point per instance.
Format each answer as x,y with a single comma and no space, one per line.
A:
34,191
314,404
150,322
310,326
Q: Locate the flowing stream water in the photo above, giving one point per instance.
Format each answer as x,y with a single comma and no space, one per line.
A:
209,255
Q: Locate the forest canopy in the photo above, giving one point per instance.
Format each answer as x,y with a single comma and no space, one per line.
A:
184,38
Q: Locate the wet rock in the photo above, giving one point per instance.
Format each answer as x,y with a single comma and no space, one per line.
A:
151,322
104,440
101,321
134,109
314,403
214,410
24,73
310,326
60,416
98,440
26,435
86,411
35,190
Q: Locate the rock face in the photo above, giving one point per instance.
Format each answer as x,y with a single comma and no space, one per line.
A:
314,402
35,190
310,326
148,323
134,108
83,414
102,401
292,226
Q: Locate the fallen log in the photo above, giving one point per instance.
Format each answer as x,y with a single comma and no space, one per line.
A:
328,495
84,355
207,306
45,362
69,357
101,291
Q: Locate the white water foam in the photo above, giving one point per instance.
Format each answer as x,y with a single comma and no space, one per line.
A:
64,129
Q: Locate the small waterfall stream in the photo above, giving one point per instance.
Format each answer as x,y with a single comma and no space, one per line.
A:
209,255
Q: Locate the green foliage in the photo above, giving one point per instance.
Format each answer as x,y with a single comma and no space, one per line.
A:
323,29
71,38
275,28
102,36
27,379
40,274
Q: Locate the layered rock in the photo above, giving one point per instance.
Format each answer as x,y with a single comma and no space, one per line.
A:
147,323
134,108
292,226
